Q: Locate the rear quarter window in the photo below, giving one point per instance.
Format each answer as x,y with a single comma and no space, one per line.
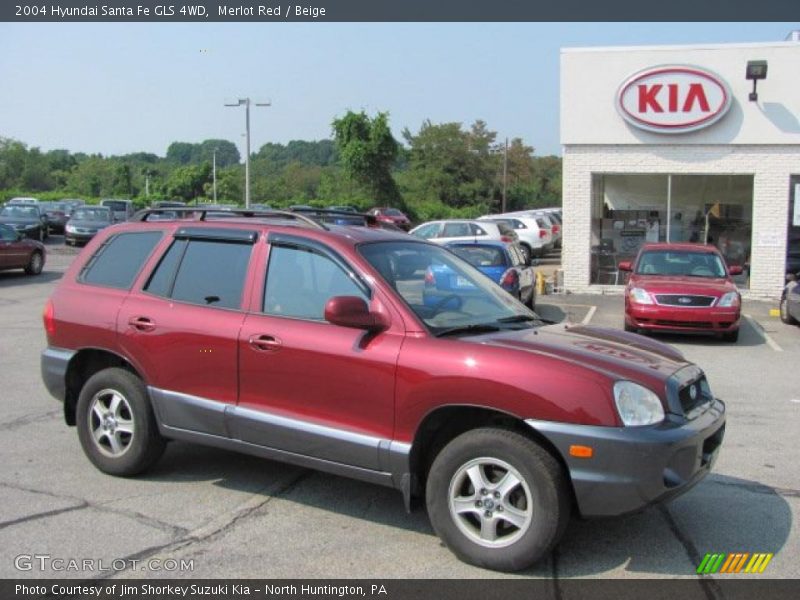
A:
116,262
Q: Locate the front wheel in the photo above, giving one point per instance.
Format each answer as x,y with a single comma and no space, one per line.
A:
116,424
497,499
731,336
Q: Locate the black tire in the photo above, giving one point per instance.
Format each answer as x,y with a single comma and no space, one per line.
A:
35,264
540,500
785,316
731,336
630,329
139,450
41,235
527,254
531,303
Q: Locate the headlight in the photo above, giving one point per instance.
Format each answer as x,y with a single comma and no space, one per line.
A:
31,226
729,300
640,296
637,405
70,229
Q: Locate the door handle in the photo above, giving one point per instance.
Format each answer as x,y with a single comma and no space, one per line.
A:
142,323
267,343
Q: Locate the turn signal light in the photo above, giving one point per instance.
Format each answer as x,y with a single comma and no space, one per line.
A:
581,451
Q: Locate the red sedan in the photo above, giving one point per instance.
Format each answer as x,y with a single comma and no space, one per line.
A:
391,215
682,288
18,252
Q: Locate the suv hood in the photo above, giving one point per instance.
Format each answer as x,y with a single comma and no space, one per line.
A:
614,353
18,221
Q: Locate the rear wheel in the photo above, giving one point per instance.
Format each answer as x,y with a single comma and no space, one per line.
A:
41,234
785,316
497,499
116,424
35,264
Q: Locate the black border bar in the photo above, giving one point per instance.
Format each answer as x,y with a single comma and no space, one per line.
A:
395,10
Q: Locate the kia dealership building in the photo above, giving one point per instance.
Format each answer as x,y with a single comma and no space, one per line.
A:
669,144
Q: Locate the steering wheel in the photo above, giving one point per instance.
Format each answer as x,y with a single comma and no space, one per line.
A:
439,306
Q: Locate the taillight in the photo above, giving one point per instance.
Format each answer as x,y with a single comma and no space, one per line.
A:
506,239
555,229
429,279
49,318
542,233
510,279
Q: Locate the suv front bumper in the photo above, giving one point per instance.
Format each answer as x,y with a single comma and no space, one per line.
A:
633,467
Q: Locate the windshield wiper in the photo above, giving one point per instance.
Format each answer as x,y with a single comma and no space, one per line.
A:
474,329
526,318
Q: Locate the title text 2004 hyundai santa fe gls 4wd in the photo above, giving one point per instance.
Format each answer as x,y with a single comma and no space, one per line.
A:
282,337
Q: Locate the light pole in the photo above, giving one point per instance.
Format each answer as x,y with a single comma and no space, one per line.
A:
246,102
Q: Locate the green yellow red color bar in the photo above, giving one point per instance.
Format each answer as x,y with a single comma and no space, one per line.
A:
734,562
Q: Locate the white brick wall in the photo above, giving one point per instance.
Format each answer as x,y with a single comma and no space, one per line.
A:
771,167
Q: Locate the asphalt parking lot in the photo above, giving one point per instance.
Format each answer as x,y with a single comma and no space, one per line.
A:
237,516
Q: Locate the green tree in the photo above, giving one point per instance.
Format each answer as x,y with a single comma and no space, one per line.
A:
180,153
368,151
188,182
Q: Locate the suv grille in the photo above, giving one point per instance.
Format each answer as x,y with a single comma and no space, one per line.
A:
694,394
684,300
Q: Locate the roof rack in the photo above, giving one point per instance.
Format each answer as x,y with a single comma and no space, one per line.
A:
336,217
203,212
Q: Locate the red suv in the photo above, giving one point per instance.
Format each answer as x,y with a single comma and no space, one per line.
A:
299,341
682,288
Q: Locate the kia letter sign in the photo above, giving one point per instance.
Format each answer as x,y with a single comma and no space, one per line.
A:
673,99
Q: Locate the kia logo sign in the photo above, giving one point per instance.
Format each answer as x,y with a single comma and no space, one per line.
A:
673,99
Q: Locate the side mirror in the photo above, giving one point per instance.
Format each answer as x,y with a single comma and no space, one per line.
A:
625,265
735,270
352,311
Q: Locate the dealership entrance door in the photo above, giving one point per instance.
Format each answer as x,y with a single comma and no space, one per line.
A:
629,210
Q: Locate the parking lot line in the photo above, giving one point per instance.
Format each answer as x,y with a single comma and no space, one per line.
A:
589,315
760,330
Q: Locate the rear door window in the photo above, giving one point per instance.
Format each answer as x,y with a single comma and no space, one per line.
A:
204,272
117,262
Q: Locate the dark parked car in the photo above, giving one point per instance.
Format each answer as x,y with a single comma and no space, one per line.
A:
391,215
505,264
291,339
57,215
85,222
18,252
682,288
27,219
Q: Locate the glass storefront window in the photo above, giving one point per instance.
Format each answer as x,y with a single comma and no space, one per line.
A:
629,210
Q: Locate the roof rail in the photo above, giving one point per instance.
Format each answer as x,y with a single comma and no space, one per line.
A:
203,212
337,217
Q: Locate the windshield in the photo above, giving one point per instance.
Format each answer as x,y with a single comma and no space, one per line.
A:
447,294
17,211
680,263
91,214
116,205
392,212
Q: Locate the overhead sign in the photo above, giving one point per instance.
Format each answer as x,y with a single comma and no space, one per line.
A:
673,99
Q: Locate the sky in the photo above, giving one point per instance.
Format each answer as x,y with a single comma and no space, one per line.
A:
117,88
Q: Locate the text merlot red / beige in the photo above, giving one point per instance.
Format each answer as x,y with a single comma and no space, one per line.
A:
271,11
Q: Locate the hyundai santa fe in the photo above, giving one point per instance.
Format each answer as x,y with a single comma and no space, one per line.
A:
283,337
